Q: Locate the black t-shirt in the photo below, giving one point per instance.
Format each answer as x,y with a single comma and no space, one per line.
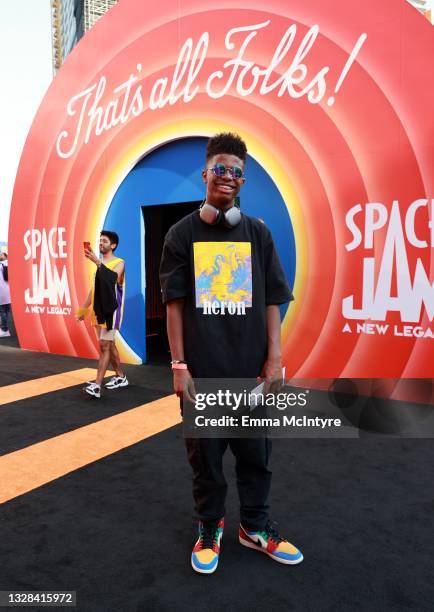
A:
227,278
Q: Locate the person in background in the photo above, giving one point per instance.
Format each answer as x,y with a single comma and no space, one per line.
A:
5,296
105,305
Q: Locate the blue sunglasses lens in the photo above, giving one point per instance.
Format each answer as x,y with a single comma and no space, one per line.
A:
220,170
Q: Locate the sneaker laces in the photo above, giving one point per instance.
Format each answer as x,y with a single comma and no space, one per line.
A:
208,534
272,533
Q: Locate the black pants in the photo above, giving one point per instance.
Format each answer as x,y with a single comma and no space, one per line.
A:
253,478
5,310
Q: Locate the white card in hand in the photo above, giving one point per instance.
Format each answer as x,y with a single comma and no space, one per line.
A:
256,394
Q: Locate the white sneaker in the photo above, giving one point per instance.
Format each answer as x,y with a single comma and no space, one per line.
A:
117,381
4,334
93,389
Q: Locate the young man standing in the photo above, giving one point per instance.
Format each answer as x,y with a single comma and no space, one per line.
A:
222,282
5,296
105,302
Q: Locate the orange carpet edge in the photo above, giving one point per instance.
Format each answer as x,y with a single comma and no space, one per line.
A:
31,467
46,384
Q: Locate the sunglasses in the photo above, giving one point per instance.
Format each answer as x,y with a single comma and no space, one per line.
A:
220,170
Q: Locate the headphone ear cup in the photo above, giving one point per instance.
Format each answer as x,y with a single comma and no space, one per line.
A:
209,214
232,216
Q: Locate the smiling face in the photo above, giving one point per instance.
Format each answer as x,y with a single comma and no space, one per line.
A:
221,190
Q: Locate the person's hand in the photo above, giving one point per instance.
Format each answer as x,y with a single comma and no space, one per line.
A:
91,256
271,374
183,385
81,313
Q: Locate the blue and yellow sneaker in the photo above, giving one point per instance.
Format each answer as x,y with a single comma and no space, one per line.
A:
270,542
205,555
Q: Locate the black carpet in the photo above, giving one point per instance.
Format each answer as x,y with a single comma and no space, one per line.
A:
119,531
35,419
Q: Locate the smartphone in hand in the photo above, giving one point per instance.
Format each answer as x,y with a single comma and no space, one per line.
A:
86,246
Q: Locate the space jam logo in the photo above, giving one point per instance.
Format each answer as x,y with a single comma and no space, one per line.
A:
414,293
49,281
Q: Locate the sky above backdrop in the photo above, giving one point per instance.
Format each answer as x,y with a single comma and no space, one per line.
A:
26,73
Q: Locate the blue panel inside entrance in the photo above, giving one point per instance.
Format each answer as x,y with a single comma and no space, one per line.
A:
172,174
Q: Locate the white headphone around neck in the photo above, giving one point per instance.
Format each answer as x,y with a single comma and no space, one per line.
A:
212,216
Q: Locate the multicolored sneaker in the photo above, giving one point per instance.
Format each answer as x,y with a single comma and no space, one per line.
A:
205,555
270,542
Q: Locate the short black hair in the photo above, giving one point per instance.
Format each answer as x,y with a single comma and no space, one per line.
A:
112,236
226,142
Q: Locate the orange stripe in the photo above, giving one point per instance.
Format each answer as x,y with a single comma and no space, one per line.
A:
30,468
38,386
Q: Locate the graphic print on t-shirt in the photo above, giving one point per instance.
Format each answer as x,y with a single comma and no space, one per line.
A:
223,277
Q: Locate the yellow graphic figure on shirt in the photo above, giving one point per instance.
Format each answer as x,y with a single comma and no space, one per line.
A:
223,272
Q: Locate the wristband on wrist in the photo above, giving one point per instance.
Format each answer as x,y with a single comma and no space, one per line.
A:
178,364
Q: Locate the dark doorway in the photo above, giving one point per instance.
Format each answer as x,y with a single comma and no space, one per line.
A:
158,220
